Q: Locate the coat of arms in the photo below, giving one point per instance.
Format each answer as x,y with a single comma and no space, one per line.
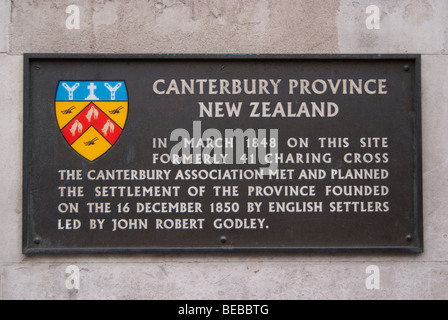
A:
91,115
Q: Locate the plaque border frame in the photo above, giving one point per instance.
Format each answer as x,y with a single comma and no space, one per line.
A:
416,238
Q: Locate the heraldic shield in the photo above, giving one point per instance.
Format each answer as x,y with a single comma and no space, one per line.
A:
91,115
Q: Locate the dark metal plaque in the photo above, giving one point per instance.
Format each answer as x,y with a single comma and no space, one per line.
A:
167,153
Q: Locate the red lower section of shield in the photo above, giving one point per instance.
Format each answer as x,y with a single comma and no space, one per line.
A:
91,116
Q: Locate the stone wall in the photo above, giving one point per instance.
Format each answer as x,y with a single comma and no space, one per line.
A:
226,26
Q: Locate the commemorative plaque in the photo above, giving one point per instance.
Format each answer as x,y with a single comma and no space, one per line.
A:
179,153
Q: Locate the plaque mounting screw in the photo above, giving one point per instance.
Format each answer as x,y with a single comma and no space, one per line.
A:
406,67
409,238
37,67
36,240
223,239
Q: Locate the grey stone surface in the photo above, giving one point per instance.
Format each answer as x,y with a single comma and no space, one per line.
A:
5,10
435,151
216,26
11,120
231,280
408,26
176,26
226,26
